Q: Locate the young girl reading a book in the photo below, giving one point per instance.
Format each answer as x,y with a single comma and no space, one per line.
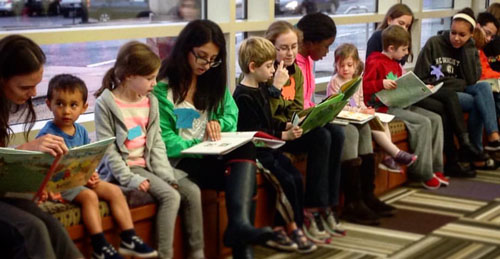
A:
347,66
126,109
27,231
195,105
67,99
323,145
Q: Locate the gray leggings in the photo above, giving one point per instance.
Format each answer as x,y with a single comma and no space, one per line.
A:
358,141
44,236
169,200
426,140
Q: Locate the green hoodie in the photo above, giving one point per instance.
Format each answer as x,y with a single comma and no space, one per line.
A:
227,115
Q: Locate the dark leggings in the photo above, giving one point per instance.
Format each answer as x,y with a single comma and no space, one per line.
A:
445,103
323,147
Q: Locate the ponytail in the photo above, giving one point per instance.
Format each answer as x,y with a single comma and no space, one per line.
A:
109,82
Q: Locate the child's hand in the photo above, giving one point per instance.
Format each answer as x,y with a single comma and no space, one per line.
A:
288,125
212,131
49,143
368,110
144,186
430,86
93,180
280,76
293,133
389,84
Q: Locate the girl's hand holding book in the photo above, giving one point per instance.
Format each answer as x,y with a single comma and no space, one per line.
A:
368,110
389,84
49,143
293,133
144,186
212,131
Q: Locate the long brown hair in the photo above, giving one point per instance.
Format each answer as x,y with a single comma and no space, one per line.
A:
18,56
395,12
134,58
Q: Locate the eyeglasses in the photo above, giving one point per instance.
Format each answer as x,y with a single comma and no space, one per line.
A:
203,61
285,48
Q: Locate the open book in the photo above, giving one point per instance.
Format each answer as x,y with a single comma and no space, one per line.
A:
409,91
31,171
233,140
355,117
323,113
350,87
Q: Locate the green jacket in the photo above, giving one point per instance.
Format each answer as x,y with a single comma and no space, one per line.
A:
283,109
227,115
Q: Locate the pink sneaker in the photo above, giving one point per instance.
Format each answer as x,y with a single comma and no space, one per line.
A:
442,178
405,158
432,184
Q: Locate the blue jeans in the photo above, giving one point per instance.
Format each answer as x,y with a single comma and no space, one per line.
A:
478,101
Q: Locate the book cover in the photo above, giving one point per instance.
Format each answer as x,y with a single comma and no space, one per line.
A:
232,140
32,171
410,90
350,87
323,113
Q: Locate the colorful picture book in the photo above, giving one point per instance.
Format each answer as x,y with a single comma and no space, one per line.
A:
410,90
350,87
232,140
323,113
355,117
31,171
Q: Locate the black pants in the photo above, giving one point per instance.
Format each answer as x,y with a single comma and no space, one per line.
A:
323,147
445,103
208,172
290,180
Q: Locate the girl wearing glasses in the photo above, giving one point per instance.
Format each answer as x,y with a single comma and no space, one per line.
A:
195,105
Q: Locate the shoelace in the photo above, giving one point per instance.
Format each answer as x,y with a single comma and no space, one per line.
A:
138,240
110,250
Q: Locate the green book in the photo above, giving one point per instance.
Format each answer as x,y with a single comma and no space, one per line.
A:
350,87
323,113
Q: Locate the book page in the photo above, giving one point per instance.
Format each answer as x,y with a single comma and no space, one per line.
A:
355,117
227,143
410,90
384,117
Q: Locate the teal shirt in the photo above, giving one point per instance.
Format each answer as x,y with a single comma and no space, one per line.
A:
227,115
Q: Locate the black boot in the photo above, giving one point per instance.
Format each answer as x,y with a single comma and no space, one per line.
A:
468,152
243,252
240,188
367,175
355,209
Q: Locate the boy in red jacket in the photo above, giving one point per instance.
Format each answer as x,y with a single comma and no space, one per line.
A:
425,127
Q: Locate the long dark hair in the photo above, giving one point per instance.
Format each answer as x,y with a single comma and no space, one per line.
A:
211,85
18,56
134,59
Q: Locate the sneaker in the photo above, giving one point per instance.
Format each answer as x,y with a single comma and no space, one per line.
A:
389,164
281,241
137,247
432,183
332,224
304,245
106,252
493,145
314,229
444,180
405,158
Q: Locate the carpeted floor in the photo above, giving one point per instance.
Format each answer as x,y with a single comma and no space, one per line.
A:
459,221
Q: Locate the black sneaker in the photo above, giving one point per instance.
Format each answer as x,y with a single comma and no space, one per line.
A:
304,244
106,252
281,241
493,145
137,247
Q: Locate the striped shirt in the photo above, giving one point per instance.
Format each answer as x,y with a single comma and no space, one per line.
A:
136,117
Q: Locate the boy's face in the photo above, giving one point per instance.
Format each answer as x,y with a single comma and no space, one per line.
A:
490,30
264,72
66,106
399,53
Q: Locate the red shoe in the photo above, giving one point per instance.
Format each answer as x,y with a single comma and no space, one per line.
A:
442,178
432,183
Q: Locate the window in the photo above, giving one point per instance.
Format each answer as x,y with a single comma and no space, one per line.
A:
300,7
431,27
443,4
39,14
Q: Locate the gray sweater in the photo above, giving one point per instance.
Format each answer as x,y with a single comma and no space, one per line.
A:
109,122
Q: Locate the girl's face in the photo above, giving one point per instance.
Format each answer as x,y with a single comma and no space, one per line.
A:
318,50
460,33
19,89
403,21
142,85
287,47
204,57
346,68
